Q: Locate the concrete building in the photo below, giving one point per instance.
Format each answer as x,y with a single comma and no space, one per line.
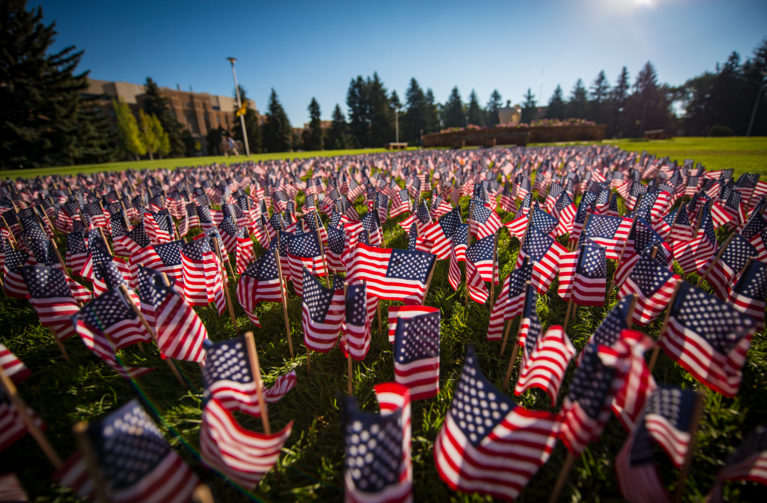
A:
198,112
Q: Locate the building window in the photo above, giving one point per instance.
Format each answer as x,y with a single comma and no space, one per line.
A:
217,109
188,104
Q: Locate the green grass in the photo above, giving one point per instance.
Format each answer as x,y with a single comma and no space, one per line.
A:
311,465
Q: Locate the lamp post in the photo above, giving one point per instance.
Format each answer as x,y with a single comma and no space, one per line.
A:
396,121
756,105
239,105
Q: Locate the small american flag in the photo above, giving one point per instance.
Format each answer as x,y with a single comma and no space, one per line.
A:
228,231
484,428
244,251
164,257
608,231
11,490
653,284
693,256
667,417
477,289
749,462
397,313
458,248
750,291
441,233
12,426
322,314
51,297
371,223
131,242
377,448
754,231
544,253
12,366
304,253
510,302
723,337
638,477
416,354
482,255
583,274
356,326
628,404
201,268
564,210
400,202
13,283
507,200
392,274
180,332
228,378
730,264
484,221
77,251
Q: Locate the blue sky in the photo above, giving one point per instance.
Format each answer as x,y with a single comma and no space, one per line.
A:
313,49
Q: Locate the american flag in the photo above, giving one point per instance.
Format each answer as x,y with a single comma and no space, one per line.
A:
260,282
400,202
12,426
628,404
482,255
713,347
477,289
642,239
439,206
228,378
314,223
488,444
356,326
653,284
608,333
748,462
518,226
380,441
750,291
304,254
510,301
484,221
668,417
541,220
458,254
583,275
397,313
508,203
203,282
544,253
12,366
136,461
525,205
228,231
555,190
132,241
730,212
280,201
51,297
693,256
731,262
638,477
371,224
13,283
416,354
322,314
11,490
759,191
105,271
420,217
157,234
392,274
597,379
77,251
148,282
754,231
609,232
441,233
180,332
164,257
564,210
677,228
545,356
338,250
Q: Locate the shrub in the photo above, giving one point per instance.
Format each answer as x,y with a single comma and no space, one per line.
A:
717,130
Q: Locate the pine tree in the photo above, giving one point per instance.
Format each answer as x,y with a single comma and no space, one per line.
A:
529,108
337,137
315,136
433,123
494,105
359,115
148,137
128,130
474,112
213,139
453,112
556,109
578,103
156,104
163,140
255,140
415,118
599,94
381,113
617,105
648,106
278,136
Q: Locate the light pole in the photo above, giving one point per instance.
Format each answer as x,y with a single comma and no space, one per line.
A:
239,105
756,105
396,120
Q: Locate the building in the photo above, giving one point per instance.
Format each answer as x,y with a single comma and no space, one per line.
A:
323,124
198,112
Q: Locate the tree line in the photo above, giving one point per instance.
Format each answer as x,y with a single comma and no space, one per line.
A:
49,121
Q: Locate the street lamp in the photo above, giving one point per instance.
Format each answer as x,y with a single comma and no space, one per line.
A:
239,105
396,120
756,105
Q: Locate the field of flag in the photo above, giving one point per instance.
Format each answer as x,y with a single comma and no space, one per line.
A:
604,339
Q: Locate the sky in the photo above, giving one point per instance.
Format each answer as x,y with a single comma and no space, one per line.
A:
314,49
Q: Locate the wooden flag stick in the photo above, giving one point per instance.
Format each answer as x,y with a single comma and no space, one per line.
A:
86,450
685,471
632,307
59,344
348,351
492,279
284,302
10,232
380,331
515,349
716,259
254,367
21,408
61,260
428,283
506,336
152,334
226,286
563,473
656,349
567,315
620,259
106,243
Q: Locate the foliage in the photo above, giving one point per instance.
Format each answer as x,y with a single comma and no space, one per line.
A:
255,140
155,104
314,136
493,106
129,135
277,133
556,109
578,103
719,130
213,139
474,111
415,119
371,112
148,133
453,112
191,146
337,135
529,109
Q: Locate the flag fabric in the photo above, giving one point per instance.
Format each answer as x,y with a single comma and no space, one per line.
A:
260,282
378,466
243,251
544,253
11,490
608,231
165,257
692,256
488,444
748,462
638,478
750,291
564,210
392,274
180,332
713,347
628,404
589,276
732,261
397,313
484,221
458,253
481,254
597,379
12,427
754,231
243,456
337,252
77,251
441,233
51,298
304,254
668,417
322,314
12,366
510,301
608,333
356,327
203,282
545,356
13,283
653,284
416,354
137,463
477,289
228,378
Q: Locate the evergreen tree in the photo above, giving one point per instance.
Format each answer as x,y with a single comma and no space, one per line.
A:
599,93
213,139
649,105
163,141
529,108
148,137
128,131
157,105
359,115
337,136
453,112
278,136
381,113
578,103
314,135
416,118
255,140
394,100
45,121
494,105
474,111
433,123
556,108
618,98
